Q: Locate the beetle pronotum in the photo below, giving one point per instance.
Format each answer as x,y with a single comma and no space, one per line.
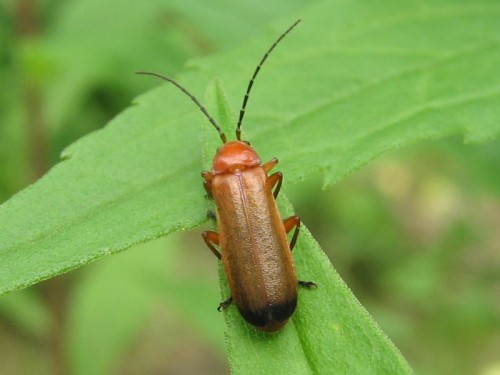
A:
256,254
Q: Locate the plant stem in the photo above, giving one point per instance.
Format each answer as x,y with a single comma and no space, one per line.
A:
28,27
54,290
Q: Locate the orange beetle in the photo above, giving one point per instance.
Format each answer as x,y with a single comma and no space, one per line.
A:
256,254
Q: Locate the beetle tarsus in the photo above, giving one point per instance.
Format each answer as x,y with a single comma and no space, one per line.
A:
308,284
225,304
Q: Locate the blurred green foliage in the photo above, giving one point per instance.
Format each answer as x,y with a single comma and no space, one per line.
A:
414,234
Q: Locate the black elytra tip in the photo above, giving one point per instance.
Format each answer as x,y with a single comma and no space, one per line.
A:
262,317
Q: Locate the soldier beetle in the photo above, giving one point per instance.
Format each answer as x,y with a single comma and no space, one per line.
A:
256,254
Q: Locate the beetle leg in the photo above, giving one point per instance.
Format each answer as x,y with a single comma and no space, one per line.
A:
225,304
207,182
294,221
270,164
275,179
289,224
210,239
308,284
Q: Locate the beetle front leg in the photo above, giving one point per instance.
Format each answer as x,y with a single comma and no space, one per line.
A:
210,239
270,164
289,224
207,182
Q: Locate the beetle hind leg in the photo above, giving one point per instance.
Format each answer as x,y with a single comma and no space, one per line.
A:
289,224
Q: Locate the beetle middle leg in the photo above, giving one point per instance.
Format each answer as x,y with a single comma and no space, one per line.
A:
275,178
210,239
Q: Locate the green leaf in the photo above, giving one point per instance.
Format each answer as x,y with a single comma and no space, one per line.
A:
353,81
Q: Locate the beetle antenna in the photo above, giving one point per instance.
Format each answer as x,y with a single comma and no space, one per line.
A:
193,98
250,84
